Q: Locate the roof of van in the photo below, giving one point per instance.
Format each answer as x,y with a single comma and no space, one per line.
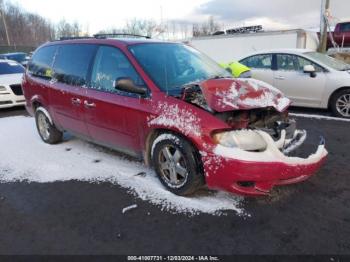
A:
117,41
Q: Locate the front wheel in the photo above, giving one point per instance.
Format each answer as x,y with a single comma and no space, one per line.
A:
177,165
340,103
47,130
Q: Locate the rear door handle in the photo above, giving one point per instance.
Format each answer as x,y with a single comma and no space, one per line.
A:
76,101
280,77
89,104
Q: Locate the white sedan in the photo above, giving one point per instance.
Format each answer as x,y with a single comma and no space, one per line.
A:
308,78
11,93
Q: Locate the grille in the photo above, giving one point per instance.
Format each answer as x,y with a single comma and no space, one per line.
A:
17,90
5,102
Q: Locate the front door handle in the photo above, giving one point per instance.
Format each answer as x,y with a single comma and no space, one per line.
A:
280,77
76,101
89,104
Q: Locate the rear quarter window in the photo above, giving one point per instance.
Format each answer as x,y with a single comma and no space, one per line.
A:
345,27
41,63
72,63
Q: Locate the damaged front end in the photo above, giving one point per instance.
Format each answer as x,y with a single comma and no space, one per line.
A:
253,154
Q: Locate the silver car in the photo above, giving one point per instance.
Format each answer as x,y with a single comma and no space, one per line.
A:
308,78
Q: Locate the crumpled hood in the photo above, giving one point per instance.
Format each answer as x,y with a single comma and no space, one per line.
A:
224,95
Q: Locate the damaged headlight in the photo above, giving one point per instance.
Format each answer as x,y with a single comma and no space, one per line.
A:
248,140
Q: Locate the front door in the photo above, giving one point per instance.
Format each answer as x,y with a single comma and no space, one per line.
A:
300,87
112,116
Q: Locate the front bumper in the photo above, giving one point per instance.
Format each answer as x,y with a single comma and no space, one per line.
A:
9,99
256,173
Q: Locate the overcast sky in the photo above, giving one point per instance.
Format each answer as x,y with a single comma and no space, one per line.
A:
104,14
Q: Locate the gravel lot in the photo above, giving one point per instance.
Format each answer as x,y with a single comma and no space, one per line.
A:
75,217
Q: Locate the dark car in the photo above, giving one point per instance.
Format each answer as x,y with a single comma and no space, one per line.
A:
173,107
19,57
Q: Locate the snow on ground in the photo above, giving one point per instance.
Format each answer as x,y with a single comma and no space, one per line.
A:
24,157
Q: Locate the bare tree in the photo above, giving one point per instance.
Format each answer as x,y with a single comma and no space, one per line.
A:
143,27
22,28
206,28
65,29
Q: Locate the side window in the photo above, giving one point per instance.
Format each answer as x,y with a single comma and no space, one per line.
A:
345,27
303,62
258,61
41,63
287,62
111,64
72,63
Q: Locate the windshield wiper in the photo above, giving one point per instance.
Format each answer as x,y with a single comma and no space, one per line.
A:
219,77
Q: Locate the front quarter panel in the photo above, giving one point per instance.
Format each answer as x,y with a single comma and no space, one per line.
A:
196,124
335,80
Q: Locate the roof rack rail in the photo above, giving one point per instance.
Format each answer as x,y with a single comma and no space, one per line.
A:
103,36
74,37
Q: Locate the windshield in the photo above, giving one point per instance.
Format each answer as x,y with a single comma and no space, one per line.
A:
328,61
7,68
17,57
171,66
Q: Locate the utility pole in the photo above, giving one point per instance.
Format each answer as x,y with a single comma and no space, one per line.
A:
5,25
323,27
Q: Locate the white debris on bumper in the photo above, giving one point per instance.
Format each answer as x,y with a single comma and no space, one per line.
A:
273,153
298,139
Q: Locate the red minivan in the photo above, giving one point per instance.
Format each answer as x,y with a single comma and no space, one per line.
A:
173,107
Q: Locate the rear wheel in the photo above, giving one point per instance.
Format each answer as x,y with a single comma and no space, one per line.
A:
177,164
340,103
47,130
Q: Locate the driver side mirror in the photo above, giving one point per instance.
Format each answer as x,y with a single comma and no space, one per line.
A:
126,84
310,69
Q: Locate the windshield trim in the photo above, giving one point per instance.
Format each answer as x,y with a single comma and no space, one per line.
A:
325,65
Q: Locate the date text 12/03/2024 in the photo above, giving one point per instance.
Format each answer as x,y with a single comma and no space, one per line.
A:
173,258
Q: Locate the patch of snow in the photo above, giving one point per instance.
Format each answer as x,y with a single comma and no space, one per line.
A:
128,208
257,84
45,112
171,115
163,137
270,97
24,157
211,163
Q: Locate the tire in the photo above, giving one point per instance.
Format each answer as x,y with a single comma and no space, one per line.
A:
177,164
340,100
47,131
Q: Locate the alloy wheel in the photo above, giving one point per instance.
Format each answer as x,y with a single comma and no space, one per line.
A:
44,126
172,166
343,105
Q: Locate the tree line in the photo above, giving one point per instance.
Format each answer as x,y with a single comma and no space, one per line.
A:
167,30
19,27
